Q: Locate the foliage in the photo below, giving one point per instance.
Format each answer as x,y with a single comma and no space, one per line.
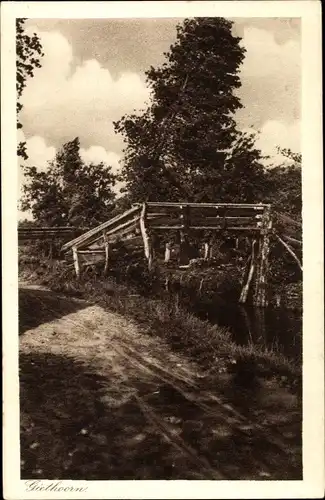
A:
26,223
185,145
283,268
70,192
286,184
28,58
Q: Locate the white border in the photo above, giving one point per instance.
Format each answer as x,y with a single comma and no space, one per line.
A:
313,370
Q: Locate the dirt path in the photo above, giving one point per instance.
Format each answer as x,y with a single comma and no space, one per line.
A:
100,400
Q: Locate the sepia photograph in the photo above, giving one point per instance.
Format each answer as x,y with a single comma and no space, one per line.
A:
160,248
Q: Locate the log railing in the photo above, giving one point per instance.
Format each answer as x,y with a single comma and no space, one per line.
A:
144,220
119,224
43,233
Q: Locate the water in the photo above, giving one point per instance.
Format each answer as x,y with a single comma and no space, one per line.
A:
270,327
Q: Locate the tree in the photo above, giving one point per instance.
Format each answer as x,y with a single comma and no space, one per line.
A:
28,57
70,192
285,185
185,145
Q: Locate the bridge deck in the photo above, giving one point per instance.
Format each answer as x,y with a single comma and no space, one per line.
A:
172,216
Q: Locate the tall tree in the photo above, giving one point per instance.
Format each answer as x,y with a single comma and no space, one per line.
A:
186,145
28,57
70,192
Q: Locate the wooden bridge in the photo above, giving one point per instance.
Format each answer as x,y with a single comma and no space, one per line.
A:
207,221
45,233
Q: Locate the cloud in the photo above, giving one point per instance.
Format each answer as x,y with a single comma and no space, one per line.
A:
275,133
97,154
266,57
271,79
39,152
65,99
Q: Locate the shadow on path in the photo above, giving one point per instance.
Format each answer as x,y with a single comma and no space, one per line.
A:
67,432
41,306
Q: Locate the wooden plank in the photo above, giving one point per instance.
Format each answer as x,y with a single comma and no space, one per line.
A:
48,230
85,252
260,295
202,205
41,234
207,228
292,240
204,221
245,290
106,253
207,250
168,247
166,227
204,211
126,229
76,261
99,229
91,259
145,236
22,241
291,252
230,228
153,215
222,212
183,258
115,231
45,235
116,237
165,221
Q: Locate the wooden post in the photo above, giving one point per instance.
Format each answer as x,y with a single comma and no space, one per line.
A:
260,326
183,254
168,251
183,248
289,249
206,250
212,247
245,290
248,323
106,253
76,261
145,236
260,295
51,250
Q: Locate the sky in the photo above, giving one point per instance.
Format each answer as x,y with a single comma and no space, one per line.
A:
93,72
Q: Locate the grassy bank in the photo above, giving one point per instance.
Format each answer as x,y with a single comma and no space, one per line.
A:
209,345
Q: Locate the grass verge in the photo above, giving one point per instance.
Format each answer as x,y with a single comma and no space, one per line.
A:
209,345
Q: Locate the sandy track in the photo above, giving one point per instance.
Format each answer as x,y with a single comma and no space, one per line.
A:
146,414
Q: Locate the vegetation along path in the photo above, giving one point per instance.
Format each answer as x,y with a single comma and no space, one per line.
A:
101,400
